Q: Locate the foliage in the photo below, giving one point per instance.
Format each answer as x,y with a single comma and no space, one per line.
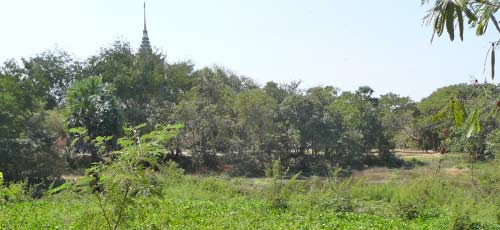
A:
280,190
437,201
51,74
493,144
232,124
140,80
229,124
479,14
92,105
443,14
462,124
25,140
95,111
135,174
397,117
12,192
208,117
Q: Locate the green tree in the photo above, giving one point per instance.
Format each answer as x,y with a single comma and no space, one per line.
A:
363,128
255,121
134,176
25,141
298,111
460,125
51,73
180,80
324,129
397,117
307,113
207,112
140,80
280,91
92,105
480,13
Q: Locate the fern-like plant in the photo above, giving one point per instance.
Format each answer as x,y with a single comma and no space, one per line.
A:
131,173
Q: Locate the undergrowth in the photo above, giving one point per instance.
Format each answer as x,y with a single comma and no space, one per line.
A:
430,201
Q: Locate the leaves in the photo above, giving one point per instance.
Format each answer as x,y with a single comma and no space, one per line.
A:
78,131
481,27
450,21
441,114
443,15
493,62
133,175
460,20
473,124
456,109
91,104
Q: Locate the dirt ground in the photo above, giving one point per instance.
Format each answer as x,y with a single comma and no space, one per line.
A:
382,174
431,166
408,154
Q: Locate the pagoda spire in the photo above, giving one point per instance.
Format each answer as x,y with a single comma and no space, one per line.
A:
145,45
145,29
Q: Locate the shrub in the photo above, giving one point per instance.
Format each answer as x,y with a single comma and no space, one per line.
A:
463,221
280,190
132,173
14,192
419,198
493,144
92,111
247,166
312,165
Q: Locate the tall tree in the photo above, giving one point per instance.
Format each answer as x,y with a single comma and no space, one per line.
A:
51,73
25,141
255,113
208,116
397,116
93,106
140,79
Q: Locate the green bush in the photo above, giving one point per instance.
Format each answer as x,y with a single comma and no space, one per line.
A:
280,190
493,144
133,174
419,199
14,192
463,221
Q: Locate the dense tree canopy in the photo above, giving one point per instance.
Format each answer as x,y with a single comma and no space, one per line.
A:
25,141
54,107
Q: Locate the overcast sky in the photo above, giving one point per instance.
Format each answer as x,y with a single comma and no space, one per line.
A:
382,44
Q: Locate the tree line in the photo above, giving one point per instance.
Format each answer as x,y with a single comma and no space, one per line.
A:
59,113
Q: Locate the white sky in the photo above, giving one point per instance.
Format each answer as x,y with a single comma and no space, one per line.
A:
382,44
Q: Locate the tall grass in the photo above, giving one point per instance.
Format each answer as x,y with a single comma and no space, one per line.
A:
428,201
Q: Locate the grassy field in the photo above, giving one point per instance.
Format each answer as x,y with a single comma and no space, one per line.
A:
439,194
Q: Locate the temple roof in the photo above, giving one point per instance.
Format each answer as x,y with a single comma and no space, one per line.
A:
145,45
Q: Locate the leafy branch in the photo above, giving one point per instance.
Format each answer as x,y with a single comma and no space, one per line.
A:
445,14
